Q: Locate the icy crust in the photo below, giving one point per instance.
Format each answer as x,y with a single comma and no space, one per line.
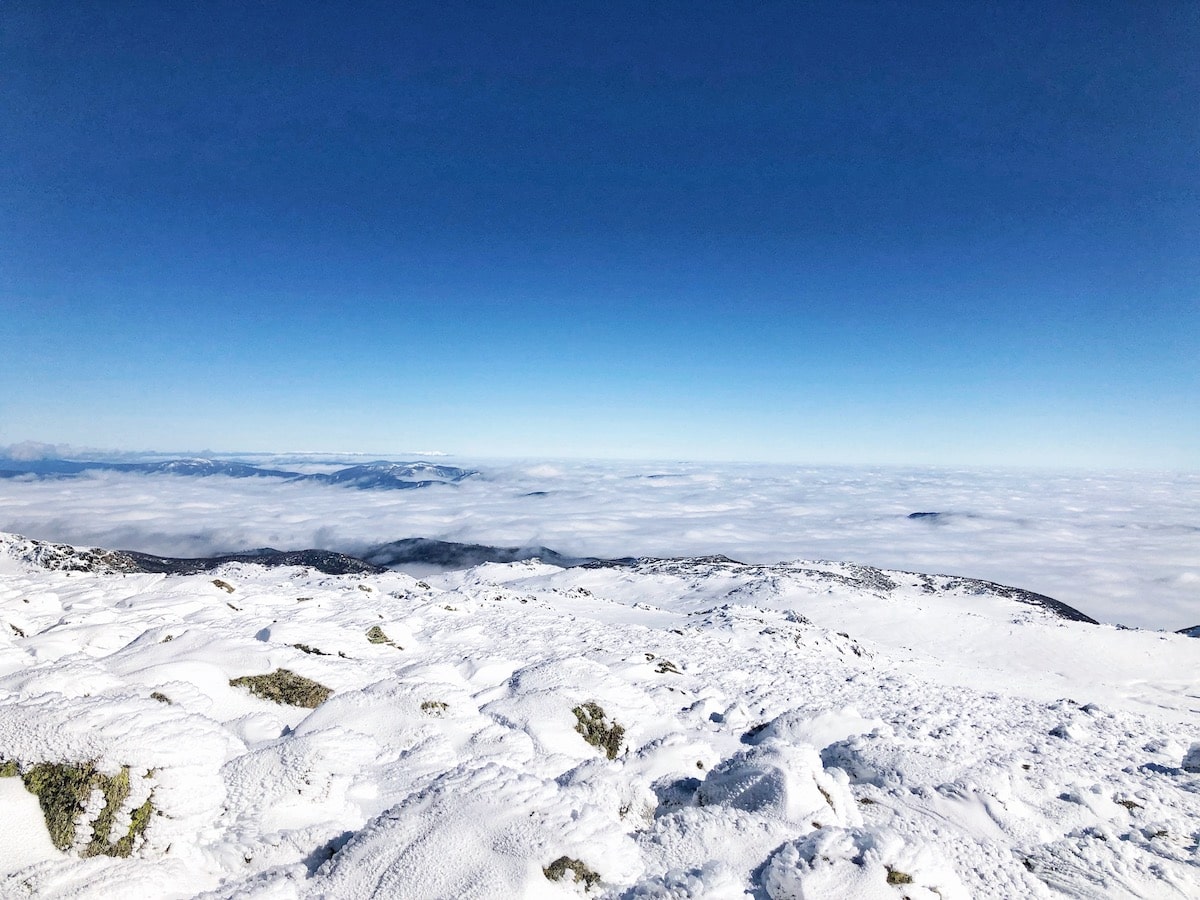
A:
782,736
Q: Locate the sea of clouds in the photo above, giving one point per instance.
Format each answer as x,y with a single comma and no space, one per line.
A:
1123,547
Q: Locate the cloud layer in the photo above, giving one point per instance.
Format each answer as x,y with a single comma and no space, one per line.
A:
1123,547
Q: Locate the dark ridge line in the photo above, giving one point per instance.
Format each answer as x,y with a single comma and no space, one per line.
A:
326,561
451,555
454,555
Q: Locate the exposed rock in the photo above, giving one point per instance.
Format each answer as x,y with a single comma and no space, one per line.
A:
451,555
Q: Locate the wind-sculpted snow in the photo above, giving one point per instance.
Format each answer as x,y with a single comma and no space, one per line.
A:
803,730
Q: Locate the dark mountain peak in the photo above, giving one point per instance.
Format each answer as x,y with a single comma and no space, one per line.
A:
326,561
393,475
452,555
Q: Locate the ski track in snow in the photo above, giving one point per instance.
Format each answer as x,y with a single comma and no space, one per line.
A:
789,734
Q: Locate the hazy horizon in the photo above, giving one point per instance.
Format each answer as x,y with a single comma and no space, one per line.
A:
44,450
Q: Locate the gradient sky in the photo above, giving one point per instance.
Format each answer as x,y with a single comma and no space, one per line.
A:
811,232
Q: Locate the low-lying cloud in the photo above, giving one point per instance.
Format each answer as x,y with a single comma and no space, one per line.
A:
1123,547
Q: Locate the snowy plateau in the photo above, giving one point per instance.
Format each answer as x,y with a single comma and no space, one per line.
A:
658,728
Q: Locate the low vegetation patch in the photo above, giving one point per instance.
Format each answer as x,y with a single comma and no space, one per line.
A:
596,730
137,827
895,876
558,870
376,635
286,687
63,791
304,648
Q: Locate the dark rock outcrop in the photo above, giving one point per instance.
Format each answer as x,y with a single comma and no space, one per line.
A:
452,555
322,560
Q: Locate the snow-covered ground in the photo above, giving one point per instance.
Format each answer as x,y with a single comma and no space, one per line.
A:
813,730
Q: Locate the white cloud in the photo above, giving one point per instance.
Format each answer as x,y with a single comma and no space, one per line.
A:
32,450
1122,547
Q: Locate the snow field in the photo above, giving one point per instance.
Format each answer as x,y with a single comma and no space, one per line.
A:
789,732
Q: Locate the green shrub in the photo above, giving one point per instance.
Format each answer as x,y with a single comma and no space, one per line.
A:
558,870
137,827
63,790
285,687
376,635
594,727
304,648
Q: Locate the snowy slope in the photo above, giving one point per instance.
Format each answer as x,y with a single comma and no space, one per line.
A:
802,730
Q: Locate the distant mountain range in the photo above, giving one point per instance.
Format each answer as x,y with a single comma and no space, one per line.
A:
378,475
453,555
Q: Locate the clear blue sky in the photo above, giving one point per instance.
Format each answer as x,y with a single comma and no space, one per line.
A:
866,232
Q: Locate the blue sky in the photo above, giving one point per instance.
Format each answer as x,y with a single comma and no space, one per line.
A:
846,232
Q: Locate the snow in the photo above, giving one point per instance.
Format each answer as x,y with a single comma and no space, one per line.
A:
24,840
789,731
